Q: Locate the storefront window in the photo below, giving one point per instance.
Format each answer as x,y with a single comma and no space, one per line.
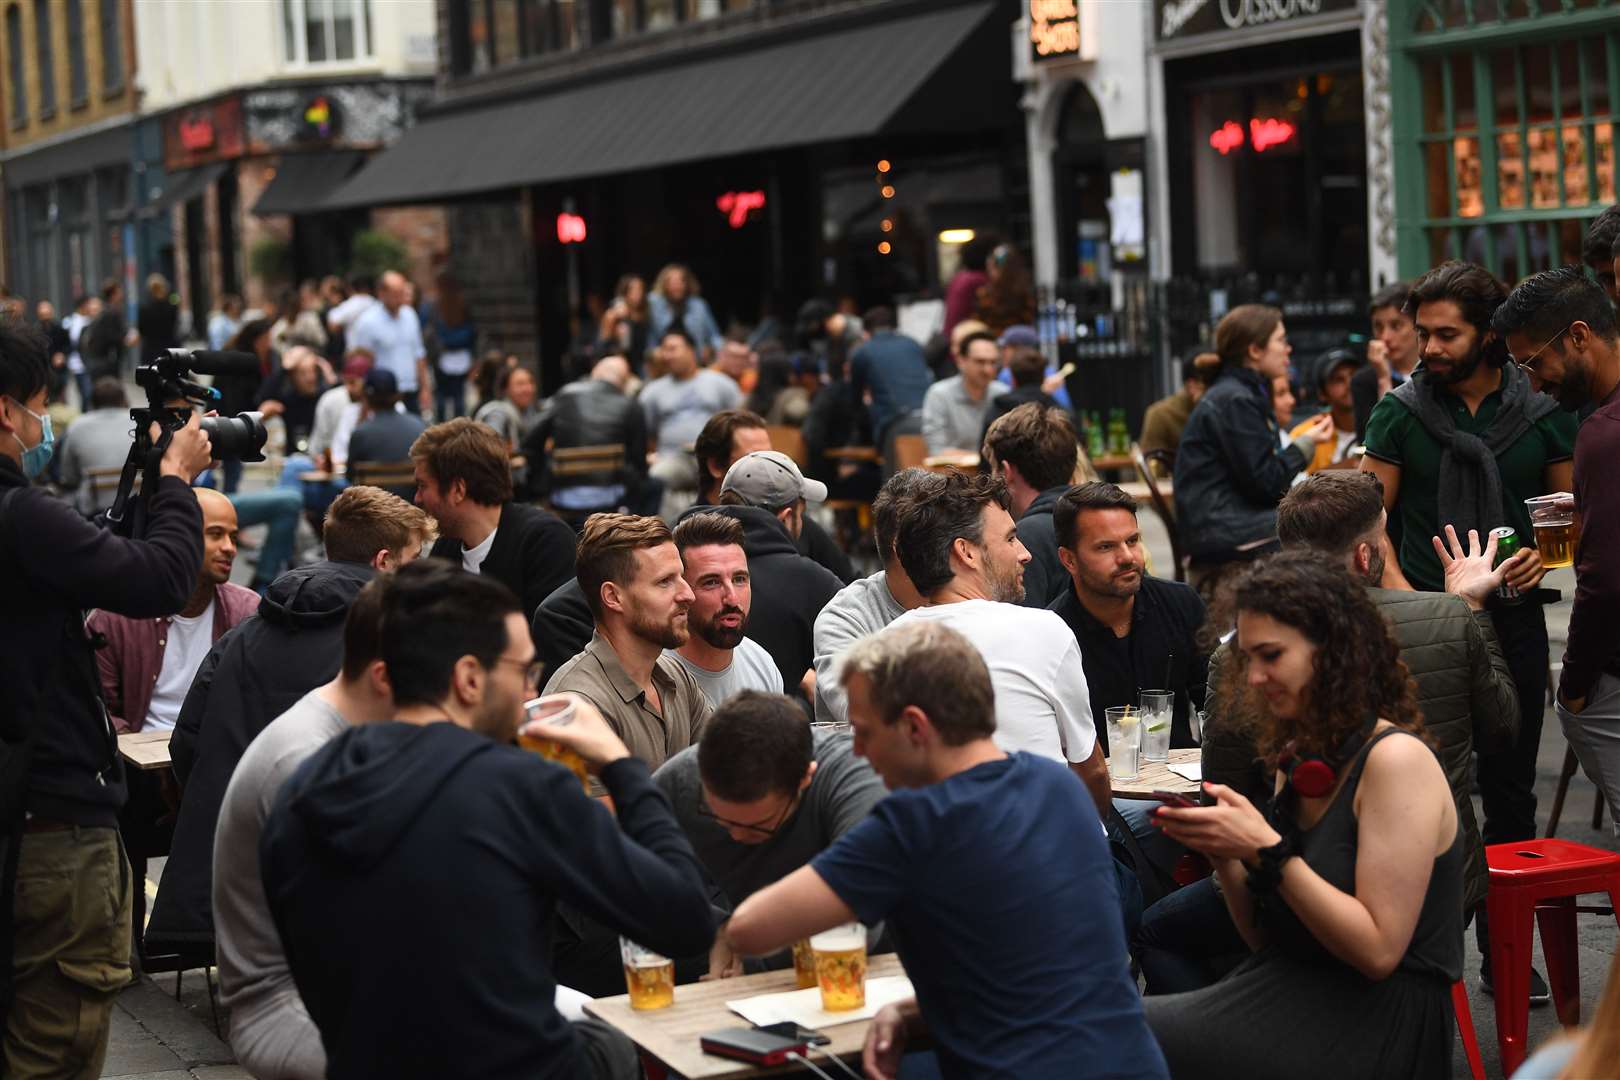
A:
1516,148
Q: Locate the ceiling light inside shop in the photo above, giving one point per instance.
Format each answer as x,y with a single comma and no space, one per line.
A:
888,225
884,166
955,236
884,248
888,191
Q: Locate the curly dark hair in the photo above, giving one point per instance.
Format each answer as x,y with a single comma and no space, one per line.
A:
1357,666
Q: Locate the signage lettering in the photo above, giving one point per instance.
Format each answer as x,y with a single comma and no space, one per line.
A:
1227,137
1187,17
570,228
1054,28
1263,134
737,205
196,131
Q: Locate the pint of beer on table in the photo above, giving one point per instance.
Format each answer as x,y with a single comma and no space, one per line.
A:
650,976
841,966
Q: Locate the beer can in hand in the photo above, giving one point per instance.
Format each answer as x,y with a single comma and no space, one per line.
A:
1507,546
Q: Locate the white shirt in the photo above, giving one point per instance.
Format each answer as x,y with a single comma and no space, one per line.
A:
350,310
1042,703
74,324
472,559
395,340
187,642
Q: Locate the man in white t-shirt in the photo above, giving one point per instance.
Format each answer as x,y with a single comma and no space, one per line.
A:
718,653
391,332
961,550
343,315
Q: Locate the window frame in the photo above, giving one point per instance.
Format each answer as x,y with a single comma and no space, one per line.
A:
18,82
1419,49
78,70
295,35
112,47
44,59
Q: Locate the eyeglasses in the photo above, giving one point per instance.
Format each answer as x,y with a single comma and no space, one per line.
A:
1529,366
766,831
533,670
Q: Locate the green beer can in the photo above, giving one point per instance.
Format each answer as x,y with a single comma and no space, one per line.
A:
1507,546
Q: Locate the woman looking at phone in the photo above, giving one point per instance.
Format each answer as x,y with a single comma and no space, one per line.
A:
1348,887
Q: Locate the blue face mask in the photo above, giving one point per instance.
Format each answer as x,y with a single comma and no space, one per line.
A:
35,458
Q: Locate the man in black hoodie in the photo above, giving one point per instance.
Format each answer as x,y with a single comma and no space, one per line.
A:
414,867
65,888
251,676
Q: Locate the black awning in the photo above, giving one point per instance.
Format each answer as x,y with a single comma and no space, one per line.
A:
112,146
303,181
181,187
840,85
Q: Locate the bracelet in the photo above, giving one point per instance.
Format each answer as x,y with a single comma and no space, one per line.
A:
1264,879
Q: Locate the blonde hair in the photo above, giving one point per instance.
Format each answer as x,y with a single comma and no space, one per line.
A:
1598,1056
364,520
962,329
607,551
662,280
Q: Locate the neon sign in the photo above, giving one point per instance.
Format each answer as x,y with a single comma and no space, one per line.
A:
1054,28
737,205
570,229
1263,135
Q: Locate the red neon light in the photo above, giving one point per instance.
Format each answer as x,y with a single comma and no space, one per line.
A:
570,229
1269,132
1226,138
737,205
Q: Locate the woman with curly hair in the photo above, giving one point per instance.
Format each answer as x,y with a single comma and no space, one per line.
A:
1347,887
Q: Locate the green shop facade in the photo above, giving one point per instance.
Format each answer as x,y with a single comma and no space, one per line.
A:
1502,124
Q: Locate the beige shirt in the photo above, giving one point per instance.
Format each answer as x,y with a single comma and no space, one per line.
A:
597,675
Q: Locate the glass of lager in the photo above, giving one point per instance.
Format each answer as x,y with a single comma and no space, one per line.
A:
1124,741
1553,517
841,966
804,964
558,709
649,975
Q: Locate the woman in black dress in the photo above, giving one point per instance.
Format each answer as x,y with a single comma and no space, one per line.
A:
1348,886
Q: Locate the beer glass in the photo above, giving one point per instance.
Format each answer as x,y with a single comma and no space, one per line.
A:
1556,534
649,975
1124,741
1158,706
557,709
841,966
804,964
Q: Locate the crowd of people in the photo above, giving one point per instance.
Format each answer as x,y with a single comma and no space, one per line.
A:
773,743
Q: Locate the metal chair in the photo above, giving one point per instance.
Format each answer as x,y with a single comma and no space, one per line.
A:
1571,763
575,466
1144,460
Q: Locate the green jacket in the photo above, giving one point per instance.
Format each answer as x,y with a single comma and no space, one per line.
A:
1464,691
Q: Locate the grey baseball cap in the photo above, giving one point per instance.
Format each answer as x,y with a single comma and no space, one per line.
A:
770,479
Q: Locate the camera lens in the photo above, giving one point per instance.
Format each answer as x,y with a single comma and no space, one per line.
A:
236,438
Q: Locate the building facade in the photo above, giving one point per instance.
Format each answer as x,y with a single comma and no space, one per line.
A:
782,149
240,146
69,99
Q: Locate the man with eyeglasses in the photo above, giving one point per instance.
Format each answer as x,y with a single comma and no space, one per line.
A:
1580,365
760,796
1464,443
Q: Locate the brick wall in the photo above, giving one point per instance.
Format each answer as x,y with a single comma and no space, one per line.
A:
425,232
99,105
491,254
253,175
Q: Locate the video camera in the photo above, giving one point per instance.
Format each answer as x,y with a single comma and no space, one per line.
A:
167,381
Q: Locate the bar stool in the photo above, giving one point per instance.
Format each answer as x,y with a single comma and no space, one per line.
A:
1465,1028
1540,878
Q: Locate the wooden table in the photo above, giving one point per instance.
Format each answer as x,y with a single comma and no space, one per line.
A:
947,462
146,750
1138,490
854,453
1111,462
671,1035
1156,776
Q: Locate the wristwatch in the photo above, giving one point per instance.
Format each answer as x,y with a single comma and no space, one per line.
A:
1264,878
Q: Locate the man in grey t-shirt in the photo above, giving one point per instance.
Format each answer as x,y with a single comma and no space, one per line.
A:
271,1032
759,797
722,660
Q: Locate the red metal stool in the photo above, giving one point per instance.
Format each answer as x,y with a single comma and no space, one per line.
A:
1465,1028
1540,878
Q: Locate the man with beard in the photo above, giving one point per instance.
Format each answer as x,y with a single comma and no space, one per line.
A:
426,851
718,652
1463,443
630,572
961,550
1564,330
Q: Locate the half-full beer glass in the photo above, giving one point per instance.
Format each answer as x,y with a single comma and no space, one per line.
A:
558,709
649,975
1556,532
841,966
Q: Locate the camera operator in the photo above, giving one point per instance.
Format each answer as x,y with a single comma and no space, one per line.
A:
65,890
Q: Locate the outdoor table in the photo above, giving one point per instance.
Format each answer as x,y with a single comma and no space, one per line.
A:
671,1034
1156,776
1113,462
146,750
1138,490
854,453
947,462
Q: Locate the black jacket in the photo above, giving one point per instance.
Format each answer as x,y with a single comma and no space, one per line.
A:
1162,652
58,753
789,592
1230,470
1045,579
413,873
252,675
816,544
533,553
159,324
589,412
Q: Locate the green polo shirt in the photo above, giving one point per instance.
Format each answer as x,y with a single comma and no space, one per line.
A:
1395,435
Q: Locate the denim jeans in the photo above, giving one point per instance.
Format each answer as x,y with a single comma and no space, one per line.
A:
1187,940
449,395
280,508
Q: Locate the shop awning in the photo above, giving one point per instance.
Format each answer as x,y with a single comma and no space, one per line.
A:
69,157
303,181
844,84
181,187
